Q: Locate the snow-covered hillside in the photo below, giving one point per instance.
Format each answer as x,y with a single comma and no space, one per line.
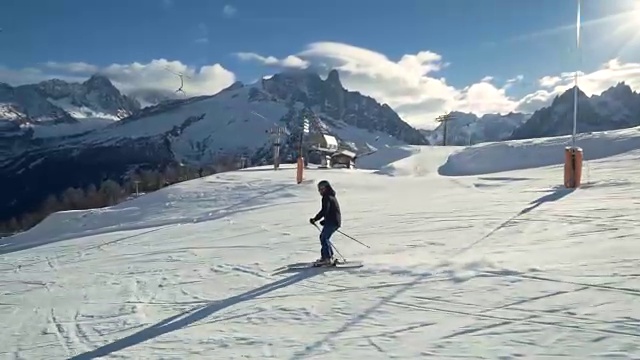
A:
226,123
503,266
518,154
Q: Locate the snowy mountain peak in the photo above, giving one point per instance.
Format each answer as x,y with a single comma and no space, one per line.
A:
28,106
567,97
616,108
98,81
96,97
328,97
619,91
96,101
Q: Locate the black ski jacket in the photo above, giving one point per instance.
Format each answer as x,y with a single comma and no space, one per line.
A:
330,209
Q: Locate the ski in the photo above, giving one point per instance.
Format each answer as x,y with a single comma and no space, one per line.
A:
351,264
335,264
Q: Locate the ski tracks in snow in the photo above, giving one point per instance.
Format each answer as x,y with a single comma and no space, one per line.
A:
207,287
479,320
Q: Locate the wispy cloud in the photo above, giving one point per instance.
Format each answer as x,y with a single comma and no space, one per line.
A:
203,34
513,81
80,68
229,11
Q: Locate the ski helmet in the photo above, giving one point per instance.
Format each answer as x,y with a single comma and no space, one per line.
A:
323,184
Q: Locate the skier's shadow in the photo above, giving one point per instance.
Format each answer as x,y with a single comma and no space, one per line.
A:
304,267
189,317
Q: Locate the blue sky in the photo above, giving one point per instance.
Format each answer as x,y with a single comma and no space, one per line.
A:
478,38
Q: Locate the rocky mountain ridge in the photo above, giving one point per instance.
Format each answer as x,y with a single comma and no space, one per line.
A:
615,108
196,132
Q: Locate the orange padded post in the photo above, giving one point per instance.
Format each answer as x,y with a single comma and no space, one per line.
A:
572,167
300,169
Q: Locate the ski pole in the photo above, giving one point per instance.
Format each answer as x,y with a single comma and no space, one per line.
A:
350,237
338,252
333,246
359,242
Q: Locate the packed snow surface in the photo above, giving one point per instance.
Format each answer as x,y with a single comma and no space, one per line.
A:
500,266
522,154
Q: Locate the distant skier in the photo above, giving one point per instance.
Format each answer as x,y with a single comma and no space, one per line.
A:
330,211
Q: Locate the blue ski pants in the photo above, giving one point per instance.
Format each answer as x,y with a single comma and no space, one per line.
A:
326,252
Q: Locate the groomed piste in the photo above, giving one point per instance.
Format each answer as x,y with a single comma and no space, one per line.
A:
474,252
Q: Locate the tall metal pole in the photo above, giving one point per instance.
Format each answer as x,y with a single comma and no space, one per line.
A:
300,154
444,119
305,130
575,90
137,192
276,133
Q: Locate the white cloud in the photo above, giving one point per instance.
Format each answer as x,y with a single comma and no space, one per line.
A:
412,87
516,79
132,77
549,81
290,61
229,11
608,75
513,81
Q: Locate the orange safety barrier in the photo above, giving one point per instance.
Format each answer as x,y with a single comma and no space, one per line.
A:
573,157
300,169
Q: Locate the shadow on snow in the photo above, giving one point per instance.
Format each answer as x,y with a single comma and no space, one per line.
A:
555,195
189,317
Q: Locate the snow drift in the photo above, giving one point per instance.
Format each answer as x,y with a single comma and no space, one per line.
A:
523,154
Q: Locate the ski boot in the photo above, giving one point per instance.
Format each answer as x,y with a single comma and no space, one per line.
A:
325,262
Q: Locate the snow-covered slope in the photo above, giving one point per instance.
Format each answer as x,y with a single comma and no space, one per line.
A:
407,160
508,266
521,154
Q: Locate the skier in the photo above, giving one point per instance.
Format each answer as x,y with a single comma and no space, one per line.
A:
330,211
